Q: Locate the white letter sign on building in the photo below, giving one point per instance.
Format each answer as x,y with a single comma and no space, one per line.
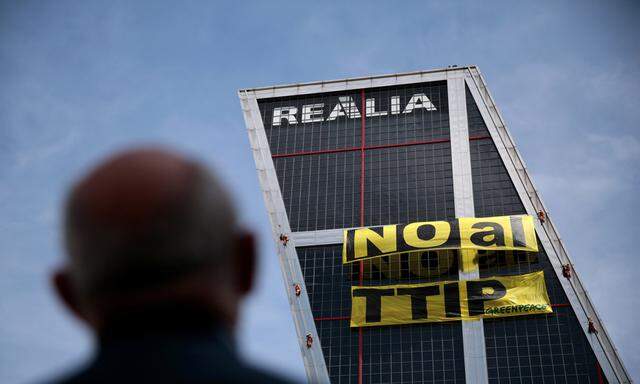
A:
347,107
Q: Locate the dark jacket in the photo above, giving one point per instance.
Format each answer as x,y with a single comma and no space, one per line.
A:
167,348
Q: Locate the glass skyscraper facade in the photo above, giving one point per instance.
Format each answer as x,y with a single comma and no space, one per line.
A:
375,155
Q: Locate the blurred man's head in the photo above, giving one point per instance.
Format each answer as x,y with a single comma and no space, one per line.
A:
149,227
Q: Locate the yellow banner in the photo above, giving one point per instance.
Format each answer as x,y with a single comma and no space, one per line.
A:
486,233
430,265
497,296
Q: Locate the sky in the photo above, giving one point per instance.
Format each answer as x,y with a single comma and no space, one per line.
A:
79,80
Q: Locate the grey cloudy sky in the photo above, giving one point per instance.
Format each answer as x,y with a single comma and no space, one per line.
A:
81,79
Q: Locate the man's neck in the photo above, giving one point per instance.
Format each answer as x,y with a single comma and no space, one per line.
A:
159,320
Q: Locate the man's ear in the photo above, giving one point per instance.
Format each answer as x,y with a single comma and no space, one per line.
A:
64,287
245,261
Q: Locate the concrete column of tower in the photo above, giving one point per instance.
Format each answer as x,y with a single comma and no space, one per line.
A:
475,359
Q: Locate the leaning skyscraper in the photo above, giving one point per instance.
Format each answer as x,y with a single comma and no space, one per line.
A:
382,166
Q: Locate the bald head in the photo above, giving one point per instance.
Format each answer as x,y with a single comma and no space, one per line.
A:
131,188
143,220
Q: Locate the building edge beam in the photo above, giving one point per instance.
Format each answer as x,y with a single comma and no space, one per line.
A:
475,355
313,358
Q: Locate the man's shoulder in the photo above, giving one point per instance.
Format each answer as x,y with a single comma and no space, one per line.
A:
249,374
189,357
236,372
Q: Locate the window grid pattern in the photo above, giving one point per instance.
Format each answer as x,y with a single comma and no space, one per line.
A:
528,349
340,349
405,181
328,283
493,191
477,127
423,123
408,184
320,191
424,353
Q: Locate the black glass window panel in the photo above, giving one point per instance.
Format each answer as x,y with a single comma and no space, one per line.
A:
407,184
418,353
421,124
328,284
340,349
525,349
328,281
477,127
493,191
320,191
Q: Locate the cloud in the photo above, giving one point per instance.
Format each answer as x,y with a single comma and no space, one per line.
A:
622,148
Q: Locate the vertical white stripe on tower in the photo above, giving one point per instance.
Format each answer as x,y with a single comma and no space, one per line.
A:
475,359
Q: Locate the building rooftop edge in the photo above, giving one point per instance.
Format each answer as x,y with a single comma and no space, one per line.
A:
294,85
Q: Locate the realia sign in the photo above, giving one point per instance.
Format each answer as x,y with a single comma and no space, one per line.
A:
347,107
